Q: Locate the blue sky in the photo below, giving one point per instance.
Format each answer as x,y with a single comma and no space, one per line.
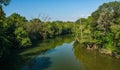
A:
65,10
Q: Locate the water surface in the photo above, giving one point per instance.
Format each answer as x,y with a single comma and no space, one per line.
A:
60,53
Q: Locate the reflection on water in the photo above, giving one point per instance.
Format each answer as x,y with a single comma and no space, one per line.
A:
39,63
22,60
93,60
63,58
60,53
48,44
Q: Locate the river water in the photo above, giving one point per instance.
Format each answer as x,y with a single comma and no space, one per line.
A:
62,53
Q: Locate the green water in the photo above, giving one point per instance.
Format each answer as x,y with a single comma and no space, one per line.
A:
60,53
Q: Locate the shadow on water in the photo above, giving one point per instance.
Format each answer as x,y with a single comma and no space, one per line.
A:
38,64
16,62
12,62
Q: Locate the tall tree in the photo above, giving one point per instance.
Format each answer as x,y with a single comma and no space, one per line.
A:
4,42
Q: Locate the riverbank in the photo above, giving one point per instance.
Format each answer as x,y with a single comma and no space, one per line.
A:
108,52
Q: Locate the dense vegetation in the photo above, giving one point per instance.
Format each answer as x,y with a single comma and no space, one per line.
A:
102,29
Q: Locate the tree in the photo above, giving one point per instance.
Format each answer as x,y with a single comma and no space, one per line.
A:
15,31
105,26
4,41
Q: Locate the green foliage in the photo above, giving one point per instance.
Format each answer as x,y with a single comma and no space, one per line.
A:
16,20
2,14
83,31
5,44
101,28
22,37
13,34
107,15
32,28
108,25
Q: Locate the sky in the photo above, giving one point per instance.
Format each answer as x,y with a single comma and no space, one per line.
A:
63,10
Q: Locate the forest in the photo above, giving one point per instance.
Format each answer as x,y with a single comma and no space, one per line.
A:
99,31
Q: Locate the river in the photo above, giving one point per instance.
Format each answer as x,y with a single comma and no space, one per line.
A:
60,53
